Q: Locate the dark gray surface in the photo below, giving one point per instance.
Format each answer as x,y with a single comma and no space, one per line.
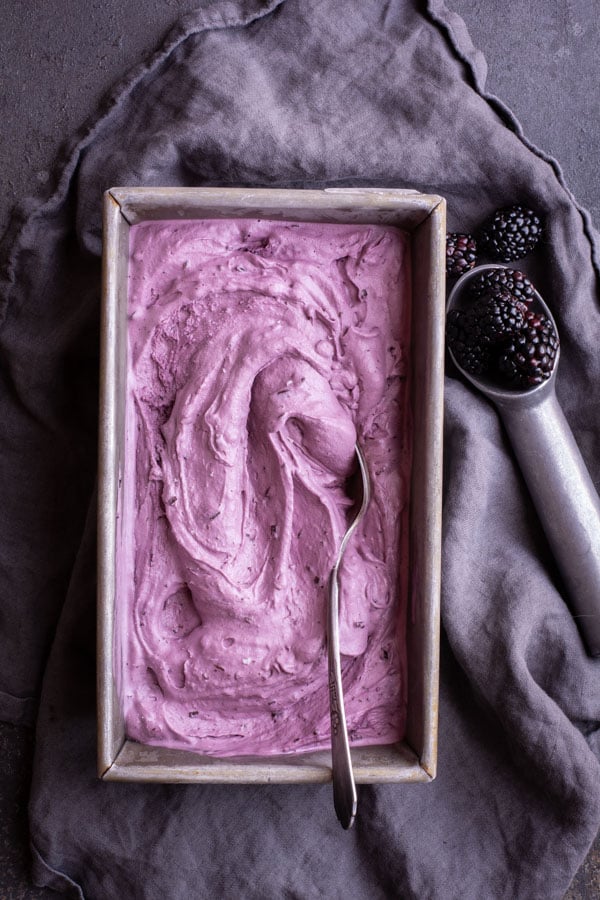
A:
59,58
543,63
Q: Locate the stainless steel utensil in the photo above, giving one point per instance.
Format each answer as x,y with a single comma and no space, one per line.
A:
344,789
556,475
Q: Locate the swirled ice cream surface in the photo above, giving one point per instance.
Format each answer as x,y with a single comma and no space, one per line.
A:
259,353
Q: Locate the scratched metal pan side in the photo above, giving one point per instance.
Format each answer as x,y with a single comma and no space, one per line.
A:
393,764
358,205
111,730
429,260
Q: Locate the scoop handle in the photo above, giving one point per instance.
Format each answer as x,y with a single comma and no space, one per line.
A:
565,499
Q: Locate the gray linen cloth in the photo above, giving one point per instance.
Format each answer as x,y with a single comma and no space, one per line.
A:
299,94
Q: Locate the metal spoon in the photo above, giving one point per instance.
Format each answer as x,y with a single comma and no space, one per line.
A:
344,789
556,475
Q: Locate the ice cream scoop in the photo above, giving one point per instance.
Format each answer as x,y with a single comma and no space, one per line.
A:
556,475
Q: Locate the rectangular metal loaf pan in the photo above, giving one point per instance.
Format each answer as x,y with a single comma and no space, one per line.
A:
423,216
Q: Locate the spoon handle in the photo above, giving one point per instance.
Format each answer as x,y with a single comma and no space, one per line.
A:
566,502
344,789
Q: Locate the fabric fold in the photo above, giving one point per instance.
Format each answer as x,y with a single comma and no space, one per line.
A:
49,293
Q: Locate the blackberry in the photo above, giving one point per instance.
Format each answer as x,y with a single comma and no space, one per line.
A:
499,316
496,280
529,357
468,345
461,253
511,233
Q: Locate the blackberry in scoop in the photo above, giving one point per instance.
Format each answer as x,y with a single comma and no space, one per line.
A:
461,253
499,316
500,279
528,359
510,233
499,337
477,334
466,341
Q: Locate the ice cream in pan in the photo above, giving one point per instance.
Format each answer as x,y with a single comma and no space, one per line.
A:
259,352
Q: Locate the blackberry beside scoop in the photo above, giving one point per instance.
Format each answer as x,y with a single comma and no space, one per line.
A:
510,233
461,253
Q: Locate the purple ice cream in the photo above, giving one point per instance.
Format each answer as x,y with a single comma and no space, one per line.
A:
259,353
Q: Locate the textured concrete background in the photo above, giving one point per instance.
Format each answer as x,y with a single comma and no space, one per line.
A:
60,56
